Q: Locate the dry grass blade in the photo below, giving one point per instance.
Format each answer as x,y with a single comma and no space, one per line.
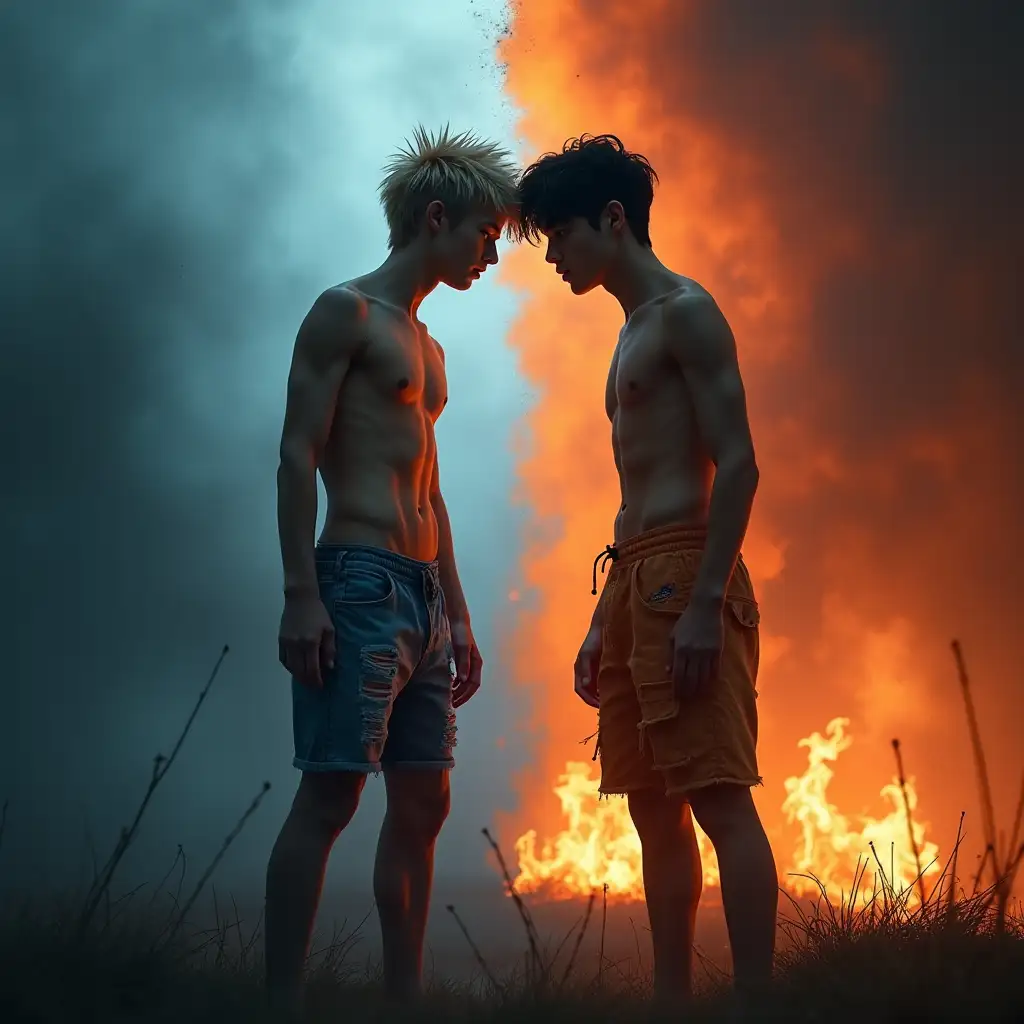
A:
531,930
984,790
579,940
332,961
231,837
982,864
488,974
1018,819
179,856
1004,861
101,883
951,868
910,819
604,929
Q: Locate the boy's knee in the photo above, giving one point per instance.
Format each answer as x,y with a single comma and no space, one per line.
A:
658,818
724,809
328,800
418,804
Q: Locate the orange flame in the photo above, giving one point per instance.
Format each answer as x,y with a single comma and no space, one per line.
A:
831,849
599,845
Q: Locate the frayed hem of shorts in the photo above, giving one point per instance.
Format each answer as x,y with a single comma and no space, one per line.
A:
419,766
366,768
723,781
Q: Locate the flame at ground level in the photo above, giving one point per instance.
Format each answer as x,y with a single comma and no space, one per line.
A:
599,845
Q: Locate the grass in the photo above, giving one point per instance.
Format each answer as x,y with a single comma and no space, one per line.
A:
944,954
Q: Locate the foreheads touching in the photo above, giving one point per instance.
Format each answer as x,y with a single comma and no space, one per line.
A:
580,182
449,175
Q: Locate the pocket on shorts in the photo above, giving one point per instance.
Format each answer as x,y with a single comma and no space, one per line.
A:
364,585
662,584
657,699
743,618
660,588
745,612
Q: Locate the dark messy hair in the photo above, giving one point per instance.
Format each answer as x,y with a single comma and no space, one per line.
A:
581,181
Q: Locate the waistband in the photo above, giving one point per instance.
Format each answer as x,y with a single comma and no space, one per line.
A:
401,565
660,540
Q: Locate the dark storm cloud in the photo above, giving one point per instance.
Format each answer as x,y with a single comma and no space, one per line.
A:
133,210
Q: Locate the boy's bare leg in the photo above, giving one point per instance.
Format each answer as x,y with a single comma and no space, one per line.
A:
324,804
750,884
418,803
672,885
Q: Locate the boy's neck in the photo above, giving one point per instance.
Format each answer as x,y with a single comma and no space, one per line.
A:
638,276
404,279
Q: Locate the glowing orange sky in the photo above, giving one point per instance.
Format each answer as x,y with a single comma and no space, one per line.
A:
772,207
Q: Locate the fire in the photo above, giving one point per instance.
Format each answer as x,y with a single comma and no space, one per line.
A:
831,848
599,845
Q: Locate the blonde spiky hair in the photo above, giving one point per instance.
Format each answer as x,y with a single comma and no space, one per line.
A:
462,171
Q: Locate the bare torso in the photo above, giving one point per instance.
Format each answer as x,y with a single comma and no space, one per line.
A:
380,456
665,474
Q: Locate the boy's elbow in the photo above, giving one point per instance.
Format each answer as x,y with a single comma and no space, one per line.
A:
752,471
296,456
742,465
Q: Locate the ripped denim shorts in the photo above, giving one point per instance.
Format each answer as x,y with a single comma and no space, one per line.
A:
388,700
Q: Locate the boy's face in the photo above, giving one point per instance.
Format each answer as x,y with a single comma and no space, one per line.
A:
462,253
580,253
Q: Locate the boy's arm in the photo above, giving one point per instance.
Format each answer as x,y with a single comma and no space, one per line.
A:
455,599
320,360
702,343
468,661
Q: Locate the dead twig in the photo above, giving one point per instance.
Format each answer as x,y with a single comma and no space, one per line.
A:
231,837
99,889
475,948
579,940
984,789
910,819
531,930
604,928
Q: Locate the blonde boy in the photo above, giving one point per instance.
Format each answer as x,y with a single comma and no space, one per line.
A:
375,631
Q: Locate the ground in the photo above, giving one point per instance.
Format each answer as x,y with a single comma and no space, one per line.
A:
137,960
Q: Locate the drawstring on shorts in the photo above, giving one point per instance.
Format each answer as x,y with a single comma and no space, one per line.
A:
610,554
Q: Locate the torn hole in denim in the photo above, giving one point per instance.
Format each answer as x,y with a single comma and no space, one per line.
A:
450,730
378,666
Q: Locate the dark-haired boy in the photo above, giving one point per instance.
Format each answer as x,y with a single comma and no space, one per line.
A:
670,659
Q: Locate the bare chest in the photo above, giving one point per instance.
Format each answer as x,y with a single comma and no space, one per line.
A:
405,367
640,369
